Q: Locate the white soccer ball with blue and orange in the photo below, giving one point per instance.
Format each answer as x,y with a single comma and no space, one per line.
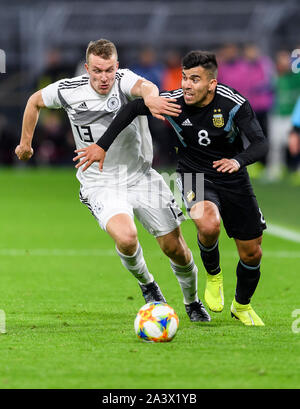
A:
156,322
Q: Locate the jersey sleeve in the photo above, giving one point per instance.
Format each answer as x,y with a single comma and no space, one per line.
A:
50,95
247,122
127,82
125,116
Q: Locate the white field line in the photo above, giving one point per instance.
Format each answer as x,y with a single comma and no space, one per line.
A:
283,233
111,253
57,252
272,229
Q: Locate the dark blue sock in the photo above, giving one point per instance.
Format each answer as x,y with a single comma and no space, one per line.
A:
247,280
210,257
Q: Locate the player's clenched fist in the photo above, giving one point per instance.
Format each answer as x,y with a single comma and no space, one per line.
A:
23,152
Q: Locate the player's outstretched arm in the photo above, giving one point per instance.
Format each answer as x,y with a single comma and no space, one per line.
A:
89,155
96,152
158,106
24,150
247,122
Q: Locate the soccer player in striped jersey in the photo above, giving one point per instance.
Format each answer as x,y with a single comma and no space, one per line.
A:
211,132
128,186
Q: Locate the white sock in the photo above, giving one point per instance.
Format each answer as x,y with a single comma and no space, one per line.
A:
187,277
136,265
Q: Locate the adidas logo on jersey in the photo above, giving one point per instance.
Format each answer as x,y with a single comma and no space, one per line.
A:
82,106
187,122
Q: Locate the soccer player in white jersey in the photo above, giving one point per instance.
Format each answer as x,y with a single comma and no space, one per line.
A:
128,186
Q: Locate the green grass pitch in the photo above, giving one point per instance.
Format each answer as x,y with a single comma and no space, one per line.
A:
70,304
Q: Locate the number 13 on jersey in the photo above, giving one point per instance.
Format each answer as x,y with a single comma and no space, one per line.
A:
84,133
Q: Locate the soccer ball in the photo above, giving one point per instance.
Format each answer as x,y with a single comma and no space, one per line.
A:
156,322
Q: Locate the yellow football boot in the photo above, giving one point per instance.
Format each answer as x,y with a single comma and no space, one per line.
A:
214,295
245,313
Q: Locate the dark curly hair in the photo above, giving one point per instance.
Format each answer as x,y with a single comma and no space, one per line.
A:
205,59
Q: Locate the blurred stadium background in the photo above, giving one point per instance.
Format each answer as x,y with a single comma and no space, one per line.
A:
46,41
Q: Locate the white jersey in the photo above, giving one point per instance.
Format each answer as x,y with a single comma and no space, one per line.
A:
90,115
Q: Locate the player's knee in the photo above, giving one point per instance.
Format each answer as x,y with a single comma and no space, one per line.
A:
127,242
176,251
207,221
252,256
170,249
210,229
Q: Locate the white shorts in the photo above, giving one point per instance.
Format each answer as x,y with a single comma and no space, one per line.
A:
150,200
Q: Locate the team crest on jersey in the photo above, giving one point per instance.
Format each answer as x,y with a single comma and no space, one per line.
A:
113,103
218,119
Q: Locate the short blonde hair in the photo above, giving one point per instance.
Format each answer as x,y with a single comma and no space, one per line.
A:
102,48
